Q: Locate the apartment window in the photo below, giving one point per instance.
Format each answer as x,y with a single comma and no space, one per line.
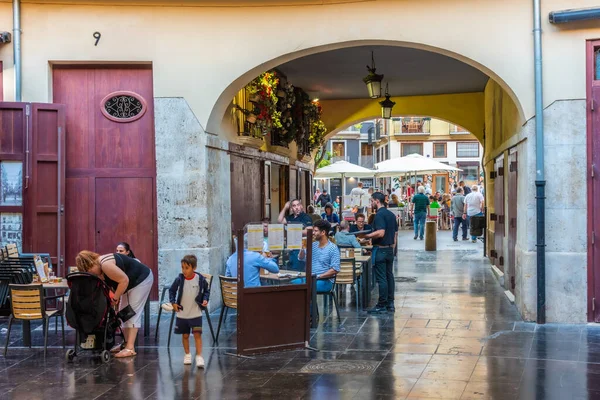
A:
387,151
467,149
410,148
366,155
339,149
439,150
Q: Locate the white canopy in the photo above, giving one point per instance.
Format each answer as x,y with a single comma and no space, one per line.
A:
343,169
412,163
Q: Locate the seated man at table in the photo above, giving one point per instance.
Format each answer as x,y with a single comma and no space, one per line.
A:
253,262
344,238
325,257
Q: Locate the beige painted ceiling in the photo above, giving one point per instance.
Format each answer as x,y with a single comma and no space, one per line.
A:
338,74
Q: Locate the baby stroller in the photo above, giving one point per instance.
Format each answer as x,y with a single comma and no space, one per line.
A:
90,313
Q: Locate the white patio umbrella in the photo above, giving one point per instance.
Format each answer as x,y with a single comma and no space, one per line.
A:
343,169
412,163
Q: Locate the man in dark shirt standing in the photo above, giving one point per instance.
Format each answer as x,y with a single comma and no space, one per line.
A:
384,235
420,208
323,199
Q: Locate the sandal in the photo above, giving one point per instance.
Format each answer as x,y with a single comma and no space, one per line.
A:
117,348
125,353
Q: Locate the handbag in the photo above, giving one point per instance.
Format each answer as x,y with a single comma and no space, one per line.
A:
126,313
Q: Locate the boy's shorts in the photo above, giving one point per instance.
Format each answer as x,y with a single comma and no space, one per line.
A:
185,326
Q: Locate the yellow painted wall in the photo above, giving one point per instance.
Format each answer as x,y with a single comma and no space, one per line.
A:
466,109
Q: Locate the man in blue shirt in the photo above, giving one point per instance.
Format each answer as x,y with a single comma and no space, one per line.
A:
360,224
344,238
325,257
253,262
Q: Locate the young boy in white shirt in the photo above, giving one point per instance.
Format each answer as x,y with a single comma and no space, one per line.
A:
188,296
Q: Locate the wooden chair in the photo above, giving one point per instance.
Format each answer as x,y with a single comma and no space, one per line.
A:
229,296
28,303
349,275
12,251
209,279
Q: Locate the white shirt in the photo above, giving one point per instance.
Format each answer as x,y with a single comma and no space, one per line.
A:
473,201
357,194
191,309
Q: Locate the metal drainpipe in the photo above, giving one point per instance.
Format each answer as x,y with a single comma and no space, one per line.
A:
540,183
17,47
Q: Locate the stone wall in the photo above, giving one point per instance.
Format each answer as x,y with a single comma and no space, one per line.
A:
192,169
566,215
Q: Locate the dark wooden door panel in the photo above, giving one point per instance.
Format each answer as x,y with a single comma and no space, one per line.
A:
512,219
246,191
46,195
119,145
595,214
499,225
124,214
79,217
13,122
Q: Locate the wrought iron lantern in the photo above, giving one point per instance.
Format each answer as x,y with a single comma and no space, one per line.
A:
387,105
373,80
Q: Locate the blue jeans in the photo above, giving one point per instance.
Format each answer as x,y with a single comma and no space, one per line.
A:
323,285
459,221
469,222
419,219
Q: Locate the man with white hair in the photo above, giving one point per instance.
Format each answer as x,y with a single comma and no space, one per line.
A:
420,208
473,206
344,238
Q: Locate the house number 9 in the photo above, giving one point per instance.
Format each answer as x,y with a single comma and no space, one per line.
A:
97,36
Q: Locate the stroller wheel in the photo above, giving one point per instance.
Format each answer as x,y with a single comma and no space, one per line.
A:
105,355
70,355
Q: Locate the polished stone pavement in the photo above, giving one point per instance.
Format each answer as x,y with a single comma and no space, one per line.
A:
454,335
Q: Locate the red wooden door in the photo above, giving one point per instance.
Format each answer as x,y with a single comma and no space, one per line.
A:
499,213
107,152
45,193
510,276
593,157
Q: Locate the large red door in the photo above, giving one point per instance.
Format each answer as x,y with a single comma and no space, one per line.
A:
111,168
593,157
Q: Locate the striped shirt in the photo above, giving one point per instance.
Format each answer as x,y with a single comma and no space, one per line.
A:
324,259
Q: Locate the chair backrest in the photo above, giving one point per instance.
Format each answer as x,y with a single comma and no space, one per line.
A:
27,301
347,274
208,278
228,291
12,250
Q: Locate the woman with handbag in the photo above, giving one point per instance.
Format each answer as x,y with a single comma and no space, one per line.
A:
130,281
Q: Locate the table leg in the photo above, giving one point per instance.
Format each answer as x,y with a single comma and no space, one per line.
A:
26,333
367,285
147,318
314,312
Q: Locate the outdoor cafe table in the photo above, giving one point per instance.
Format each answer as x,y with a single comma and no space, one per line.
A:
295,275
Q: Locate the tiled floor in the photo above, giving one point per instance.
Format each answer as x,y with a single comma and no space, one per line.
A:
454,335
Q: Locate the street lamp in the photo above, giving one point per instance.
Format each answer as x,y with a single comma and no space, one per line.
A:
387,105
373,80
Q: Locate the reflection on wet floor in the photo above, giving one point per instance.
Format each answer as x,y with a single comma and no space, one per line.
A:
454,335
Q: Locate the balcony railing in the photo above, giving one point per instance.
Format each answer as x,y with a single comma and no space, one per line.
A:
367,162
339,158
411,126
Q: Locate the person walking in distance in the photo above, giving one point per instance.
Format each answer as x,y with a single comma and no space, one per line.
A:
457,207
473,206
384,239
420,209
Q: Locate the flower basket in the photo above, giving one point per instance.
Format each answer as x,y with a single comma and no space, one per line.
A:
251,118
279,150
250,141
281,93
305,158
255,98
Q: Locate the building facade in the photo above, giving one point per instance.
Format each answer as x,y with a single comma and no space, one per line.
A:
173,173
